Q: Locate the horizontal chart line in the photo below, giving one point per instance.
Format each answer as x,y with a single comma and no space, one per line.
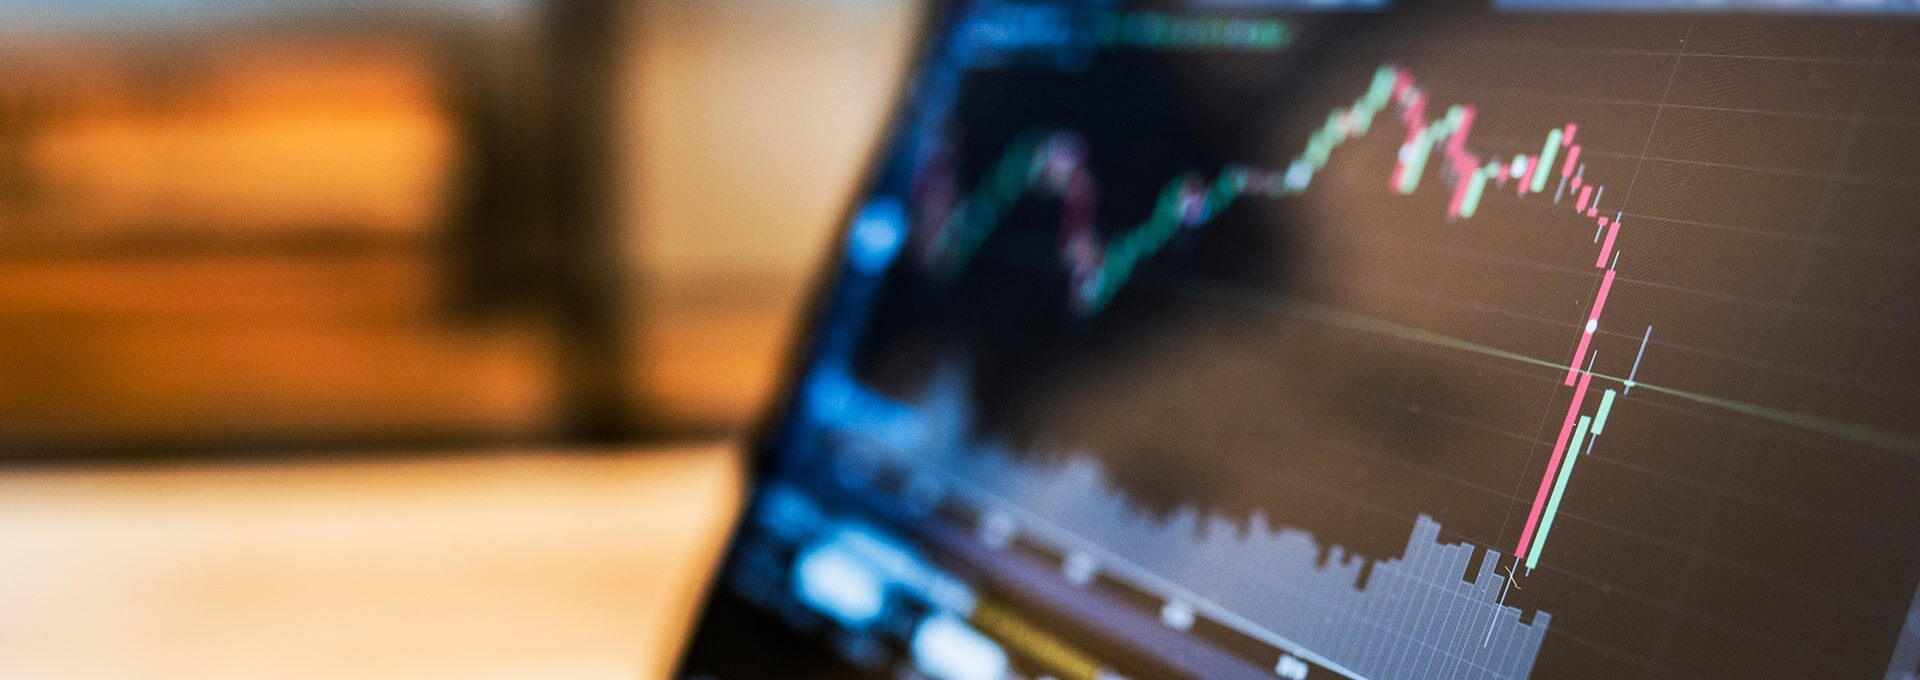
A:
1866,435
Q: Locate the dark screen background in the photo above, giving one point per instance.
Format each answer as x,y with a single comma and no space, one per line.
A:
1764,165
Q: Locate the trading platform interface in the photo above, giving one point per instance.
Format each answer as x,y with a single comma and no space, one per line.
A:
1303,340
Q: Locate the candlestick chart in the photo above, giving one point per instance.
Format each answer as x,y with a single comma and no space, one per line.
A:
1054,164
1506,348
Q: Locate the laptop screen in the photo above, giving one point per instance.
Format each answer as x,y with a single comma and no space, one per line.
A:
1322,339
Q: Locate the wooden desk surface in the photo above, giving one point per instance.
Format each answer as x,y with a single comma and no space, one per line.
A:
547,566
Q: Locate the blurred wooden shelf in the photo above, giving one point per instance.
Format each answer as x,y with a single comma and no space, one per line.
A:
233,346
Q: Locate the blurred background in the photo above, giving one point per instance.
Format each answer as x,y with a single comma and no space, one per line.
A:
342,337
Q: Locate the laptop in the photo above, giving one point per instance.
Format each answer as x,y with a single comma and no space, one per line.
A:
1350,339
